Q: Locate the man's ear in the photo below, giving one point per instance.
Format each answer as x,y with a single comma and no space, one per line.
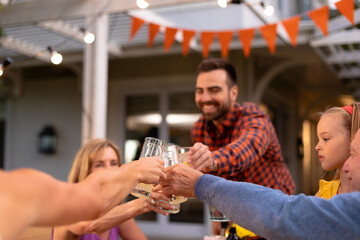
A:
233,93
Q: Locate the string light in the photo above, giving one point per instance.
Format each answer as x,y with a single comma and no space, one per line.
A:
4,64
56,58
222,3
88,36
142,4
268,10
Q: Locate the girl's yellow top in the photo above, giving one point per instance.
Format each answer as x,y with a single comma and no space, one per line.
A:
328,189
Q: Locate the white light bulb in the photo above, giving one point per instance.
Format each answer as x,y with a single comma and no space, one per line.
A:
269,10
56,58
222,3
4,2
89,37
142,4
1,71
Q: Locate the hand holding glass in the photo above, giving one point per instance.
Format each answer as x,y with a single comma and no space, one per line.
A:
152,147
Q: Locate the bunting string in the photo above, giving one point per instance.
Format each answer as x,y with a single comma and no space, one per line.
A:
319,16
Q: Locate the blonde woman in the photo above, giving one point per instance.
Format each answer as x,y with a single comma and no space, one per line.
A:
97,155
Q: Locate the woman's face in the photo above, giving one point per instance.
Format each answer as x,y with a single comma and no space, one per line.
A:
105,159
334,141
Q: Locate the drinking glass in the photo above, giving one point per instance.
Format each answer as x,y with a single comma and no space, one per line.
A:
171,157
184,155
152,147
217,216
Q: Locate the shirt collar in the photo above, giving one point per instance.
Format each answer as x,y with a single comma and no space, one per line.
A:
230,117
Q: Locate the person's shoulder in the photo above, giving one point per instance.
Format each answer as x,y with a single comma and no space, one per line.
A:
200,121
251,108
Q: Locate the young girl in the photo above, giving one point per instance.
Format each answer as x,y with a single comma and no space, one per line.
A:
336,129
96,155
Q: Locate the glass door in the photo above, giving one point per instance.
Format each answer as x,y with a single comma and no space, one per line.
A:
168,115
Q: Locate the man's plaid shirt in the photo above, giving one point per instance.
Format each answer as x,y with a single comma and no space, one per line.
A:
246,147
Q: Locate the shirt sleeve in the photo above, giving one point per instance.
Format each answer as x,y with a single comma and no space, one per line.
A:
253,139
272,214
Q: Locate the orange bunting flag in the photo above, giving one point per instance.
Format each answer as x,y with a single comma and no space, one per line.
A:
246,36
269,34
187,36
224,40
169,37
153,30
346,7
291,26
320,17
206,40
135,26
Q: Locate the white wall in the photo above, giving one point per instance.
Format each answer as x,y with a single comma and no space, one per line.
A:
49,101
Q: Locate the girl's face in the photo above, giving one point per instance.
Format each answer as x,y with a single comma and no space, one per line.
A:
334,141
105,159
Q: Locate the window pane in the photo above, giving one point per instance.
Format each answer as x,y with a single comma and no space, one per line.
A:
142,120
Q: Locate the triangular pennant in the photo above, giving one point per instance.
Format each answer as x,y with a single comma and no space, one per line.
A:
269,34
169,37
346,7
246,36
206,40
187,36
224,40
291,26
320,17
135,26
153,30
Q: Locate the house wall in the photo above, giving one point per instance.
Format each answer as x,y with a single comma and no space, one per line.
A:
46,101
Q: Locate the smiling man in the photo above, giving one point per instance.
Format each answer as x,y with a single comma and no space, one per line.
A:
234,141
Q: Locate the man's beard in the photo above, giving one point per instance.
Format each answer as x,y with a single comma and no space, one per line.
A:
214,116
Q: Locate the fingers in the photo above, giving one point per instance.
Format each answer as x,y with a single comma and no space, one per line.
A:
159,196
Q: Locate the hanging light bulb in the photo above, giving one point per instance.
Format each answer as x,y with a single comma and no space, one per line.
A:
4,64
142,4
222,3
88,36
56,58
269,10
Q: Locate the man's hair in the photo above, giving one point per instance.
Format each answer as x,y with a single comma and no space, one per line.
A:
211,64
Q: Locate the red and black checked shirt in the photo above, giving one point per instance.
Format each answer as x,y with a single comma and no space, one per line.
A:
246,147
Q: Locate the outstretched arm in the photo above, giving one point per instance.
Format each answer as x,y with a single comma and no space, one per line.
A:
29,197
119,215
274,215
268,212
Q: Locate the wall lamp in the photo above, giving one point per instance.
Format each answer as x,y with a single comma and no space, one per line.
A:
47,140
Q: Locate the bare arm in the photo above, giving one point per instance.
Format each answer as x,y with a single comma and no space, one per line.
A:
29,197
115,217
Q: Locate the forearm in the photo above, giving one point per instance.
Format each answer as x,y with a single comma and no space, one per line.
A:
112,187
118,215
274,215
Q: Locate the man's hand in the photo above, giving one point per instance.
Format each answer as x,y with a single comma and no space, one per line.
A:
201,158
150,169
180,180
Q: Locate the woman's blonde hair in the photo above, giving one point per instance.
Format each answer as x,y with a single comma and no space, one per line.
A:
85,157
